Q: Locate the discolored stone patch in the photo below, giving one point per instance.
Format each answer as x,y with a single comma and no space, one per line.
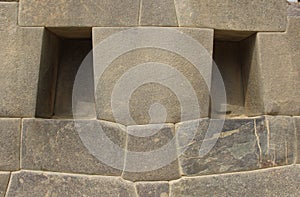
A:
281,181
10,144
297,124
27,183
56,145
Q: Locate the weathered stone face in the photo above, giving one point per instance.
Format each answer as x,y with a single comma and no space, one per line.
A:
19,70
239,15
139,104
55,145
26,183
79,13
297,125
271,182
4,177
9,144
152,189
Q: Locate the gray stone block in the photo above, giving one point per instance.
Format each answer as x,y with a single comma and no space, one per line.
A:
152,189
281,181
21,58
10,144
239,15
151,153
158,13
4,177
27,183
278,76
297,125
55,145
139,104
282,140
236,147
78,13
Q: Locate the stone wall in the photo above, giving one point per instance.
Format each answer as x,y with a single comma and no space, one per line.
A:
255,45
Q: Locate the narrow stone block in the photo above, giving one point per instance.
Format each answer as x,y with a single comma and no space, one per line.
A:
297,124
78,13
158,13
281,181
151,153
235,148
152,189
239,15
282,143
57,145
4,177
27,183
20,56
172,67
10,144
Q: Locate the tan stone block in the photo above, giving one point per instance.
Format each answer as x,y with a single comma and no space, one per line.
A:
79,13
10,144
4,177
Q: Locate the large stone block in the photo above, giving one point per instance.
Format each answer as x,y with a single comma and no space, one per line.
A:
152,189
236,148
78,13
10,144
20,56
4,177
27,183
151,153
132,63
239,15
55,145
158,13
275,70
282,181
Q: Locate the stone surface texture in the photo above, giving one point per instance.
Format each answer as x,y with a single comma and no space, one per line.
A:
19,70
239,15
156,92
79,13
297,125
4,177
282,181
10,144
26,183
55,145
152,189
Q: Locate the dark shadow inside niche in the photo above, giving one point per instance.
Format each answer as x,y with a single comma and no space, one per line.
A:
63,51
234,55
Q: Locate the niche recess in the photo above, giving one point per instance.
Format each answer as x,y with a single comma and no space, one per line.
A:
235,54
63,51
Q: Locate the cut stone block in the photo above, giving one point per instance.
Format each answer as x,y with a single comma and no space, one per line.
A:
56,145
277,70
27,183
158,13
10,144
281,181
151,153
131,64
282,140
4,177
20,63
78,13
297,125
152,189
239,15
236,148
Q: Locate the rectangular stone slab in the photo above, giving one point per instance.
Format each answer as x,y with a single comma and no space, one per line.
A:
281,181
239,15
20,56
297,124
77,13
55,145
157,91
10,144
28,183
